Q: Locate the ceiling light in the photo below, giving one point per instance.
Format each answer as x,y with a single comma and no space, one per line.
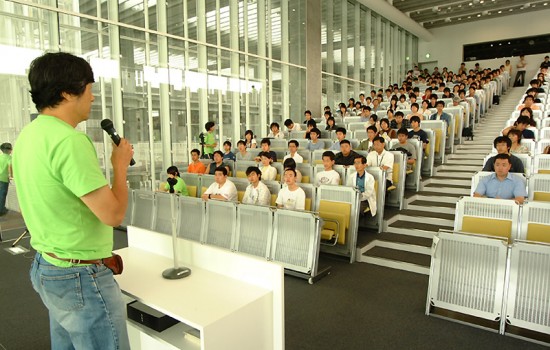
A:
481,2
470,4
500,11
460,5
479,14
460,18
545,4
447,19
469,17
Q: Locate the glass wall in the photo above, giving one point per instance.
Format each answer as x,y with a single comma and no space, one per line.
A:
361,51
163,69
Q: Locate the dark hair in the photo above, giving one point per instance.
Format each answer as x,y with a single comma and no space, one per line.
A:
222,169
311,122
52,74
440,102
173,170
253,169
227,143
291,169
373,128
502,156
316,131
218,152
523,119
307,112
342,130
288,122
274,124
266,141
241,142
294,142
379,139
501,139
366,108
403,131
363,158
264,154
344,141
385,120
329,113
415,118
528,109
402,97
329,154
516,132
209,125
415,105
194,150
289,163
249,132
433,96
374,117
331,118
399,113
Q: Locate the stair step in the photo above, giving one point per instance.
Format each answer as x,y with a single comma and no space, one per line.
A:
399,255
447,182
425,203
461,167
405,239
455,175
466,155
420,229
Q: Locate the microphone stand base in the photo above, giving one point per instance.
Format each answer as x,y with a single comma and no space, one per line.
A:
175,273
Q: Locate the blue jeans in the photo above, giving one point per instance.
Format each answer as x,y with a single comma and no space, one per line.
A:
85,306
3,194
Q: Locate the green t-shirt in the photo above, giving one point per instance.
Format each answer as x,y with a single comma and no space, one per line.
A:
179,187
54,165
210,139
5,161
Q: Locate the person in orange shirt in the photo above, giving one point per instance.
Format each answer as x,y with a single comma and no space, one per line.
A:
528,101
196,166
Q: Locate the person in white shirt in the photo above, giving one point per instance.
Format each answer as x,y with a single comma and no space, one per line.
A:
364,182
382,159
292,196
293,149
222,189
257,192
269,172
276,131
329,176
291,126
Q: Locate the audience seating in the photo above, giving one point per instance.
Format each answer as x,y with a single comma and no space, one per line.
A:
488,216
535,222
191,218
165,208
143,209
396,196
309,189
539,188
220,222
307,172
481,174
241,166
249,239
429,154
440,131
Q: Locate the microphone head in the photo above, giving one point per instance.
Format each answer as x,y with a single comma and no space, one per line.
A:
107,125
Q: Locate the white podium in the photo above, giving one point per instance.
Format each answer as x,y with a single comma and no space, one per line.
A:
233,300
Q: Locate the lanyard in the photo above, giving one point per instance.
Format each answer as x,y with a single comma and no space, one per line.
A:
379,161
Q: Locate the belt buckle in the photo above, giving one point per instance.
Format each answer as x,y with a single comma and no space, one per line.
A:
75,261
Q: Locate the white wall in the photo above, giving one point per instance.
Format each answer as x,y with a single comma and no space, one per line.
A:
446,48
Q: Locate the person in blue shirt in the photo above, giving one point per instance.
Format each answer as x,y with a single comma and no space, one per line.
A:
227,153
440,115
501,184
314,143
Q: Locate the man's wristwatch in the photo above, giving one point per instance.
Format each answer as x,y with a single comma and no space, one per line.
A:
209,195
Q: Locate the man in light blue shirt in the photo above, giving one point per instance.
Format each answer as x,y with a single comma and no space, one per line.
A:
501,184
315,144
440,115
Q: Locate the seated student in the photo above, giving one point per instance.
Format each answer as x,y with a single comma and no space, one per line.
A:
249,139
266,147
417,133
329,176
307,116
293,149
331,124
385,130
373,120
217,162
174,183
340,135
366,145
243,154
528,101
406,146
399,121
222,189
310,125
269,172
227,151
521,124
291,126
291,196
346,156
257,192
439,114
382,159
289,163
501,184
502,145
364,182
403,104
515,136
365,114
196,166
315,144
276,133
528,112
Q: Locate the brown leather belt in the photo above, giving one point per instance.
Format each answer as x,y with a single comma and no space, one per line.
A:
76,261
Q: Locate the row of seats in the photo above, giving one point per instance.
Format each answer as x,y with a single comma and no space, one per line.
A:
537,185
540,163
503,284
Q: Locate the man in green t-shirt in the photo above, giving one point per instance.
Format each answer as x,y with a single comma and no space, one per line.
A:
69,208
5,174
209,140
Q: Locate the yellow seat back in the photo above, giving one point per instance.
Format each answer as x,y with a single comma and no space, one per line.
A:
487,226
438,134
544,171
192,190
203,189
305,179
538,232
308,204
278,177
241,174
273,200
395,174
541,196
335,211
457,125
240,195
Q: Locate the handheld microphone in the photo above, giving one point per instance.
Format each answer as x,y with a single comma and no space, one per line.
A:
107,125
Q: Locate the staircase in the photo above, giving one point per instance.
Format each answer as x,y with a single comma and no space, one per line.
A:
406,240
